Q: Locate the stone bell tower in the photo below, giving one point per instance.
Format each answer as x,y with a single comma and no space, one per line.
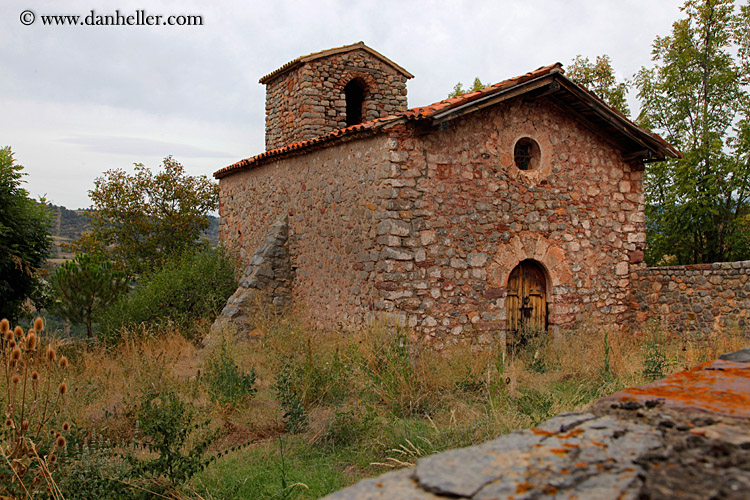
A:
324,91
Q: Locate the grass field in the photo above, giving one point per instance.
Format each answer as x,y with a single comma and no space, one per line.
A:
298,413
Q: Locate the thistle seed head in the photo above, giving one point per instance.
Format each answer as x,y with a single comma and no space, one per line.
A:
51,355
15,353
31,341
4,326
39,324
63,362
63,388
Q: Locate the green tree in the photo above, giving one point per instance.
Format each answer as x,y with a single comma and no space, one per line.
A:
599,77
85,286
458,88
24,240
696,96
140,221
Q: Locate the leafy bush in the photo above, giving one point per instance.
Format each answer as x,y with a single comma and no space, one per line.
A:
167,430
349,425
655,363
193,287
288,393
95,469
227,384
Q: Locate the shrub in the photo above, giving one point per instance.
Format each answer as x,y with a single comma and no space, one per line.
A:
288,393
95,470
655,362
226,383
167,430
193,287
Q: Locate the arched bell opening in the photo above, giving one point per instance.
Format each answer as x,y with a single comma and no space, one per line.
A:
355,92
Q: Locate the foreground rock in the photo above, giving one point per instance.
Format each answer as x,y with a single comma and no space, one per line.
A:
686,437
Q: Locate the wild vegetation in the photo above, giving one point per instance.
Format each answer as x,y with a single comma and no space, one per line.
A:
293,412
24,240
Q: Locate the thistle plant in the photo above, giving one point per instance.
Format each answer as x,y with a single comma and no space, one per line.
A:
32,388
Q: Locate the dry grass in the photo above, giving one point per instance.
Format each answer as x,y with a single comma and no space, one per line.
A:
378,385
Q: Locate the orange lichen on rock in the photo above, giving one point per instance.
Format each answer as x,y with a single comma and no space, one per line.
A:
541,432
719,386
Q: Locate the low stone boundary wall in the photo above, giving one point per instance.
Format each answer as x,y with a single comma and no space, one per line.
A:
694,298
686,437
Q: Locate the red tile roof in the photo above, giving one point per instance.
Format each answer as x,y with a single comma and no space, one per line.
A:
435,111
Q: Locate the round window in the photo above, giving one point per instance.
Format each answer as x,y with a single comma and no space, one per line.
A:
526,154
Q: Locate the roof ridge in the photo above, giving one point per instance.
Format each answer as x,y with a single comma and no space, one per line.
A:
329,52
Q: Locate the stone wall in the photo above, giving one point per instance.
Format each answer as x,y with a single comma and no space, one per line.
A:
694,298
309,100
331,197
460,216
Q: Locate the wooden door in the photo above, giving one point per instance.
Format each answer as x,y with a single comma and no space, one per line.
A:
526,302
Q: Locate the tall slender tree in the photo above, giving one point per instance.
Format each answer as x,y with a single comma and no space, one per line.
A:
599,77
25,243
696,96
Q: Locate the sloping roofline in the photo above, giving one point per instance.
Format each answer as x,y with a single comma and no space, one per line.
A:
325,53
548,81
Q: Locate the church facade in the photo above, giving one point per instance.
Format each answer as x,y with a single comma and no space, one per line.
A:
517,206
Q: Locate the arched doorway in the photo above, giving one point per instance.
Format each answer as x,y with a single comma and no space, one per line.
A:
526,302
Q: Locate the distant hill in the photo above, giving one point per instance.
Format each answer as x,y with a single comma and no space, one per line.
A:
69,225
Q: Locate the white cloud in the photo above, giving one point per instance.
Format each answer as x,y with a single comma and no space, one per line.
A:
80,100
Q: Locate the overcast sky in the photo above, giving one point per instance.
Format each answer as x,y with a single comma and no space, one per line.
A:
78,100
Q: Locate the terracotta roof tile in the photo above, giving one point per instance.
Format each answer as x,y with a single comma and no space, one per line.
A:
413,114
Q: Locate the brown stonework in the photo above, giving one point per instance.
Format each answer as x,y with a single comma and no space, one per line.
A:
696,298
423,215
308,100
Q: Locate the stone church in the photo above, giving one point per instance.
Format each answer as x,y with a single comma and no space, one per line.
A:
518,205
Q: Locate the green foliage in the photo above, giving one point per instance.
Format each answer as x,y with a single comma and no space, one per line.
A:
167,428
599,77
655,363
94,470
696,96
227,384
535,404
24,240
144,220
187,289
290,398
84,286
458,88
349,425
